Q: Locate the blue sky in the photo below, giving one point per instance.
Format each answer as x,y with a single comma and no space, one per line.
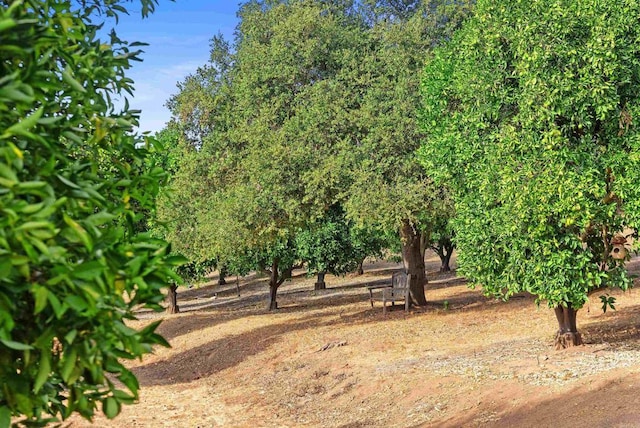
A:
178,34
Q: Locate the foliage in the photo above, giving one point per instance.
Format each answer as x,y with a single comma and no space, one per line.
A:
73,185
388,189
530,116
388,184
271,111
369,242
607,302
326,246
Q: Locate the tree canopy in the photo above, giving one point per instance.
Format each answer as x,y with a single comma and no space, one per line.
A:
530,113
313,105
274,109
388,187
74,184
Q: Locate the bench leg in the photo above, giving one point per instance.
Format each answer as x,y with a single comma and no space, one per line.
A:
371,297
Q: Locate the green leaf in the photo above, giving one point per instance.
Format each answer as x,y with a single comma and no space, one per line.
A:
31,185
44,369
24,125
34,225
123,397
79,231
70,357
110,407
58,308
67,182
14,94
68,78
130,381
15,345
76,303
7,24
41,296
127,331
5,417
9,173
69,337
100,218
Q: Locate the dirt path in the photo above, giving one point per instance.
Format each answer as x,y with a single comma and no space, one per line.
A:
327,359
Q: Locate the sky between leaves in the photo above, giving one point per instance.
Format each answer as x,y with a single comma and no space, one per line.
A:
178,34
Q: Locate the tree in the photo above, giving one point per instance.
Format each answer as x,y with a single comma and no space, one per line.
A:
530,119
442,237
367,242
266,166
73,185
326,246
389,188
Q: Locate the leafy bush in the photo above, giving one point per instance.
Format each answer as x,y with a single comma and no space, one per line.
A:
73,185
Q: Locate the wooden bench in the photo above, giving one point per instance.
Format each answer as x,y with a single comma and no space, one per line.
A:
398,290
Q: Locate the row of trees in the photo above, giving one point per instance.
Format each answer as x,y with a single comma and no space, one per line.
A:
315,112
297,142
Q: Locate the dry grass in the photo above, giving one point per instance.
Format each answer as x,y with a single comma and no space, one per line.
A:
327,359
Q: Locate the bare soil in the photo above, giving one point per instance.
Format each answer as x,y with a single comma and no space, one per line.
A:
328,359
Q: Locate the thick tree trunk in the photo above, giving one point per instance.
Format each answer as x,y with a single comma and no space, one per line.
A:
567,335
446,249
360,270
320,284
222,276
172,298
424,242
413,258
273,286
445,259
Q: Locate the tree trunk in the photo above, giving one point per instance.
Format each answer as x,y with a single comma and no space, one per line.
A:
360,270
445,259
446,249
222,275
172,298
273,286
320,284
413,258
567,335
424,242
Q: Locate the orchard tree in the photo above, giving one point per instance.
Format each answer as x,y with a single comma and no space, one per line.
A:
199,106
442,237
74,185
389,188
326,246
274,116
367,242
531,114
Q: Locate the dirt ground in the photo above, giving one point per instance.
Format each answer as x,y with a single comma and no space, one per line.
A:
328,359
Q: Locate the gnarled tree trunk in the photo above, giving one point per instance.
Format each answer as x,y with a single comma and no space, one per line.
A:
444,249
320,284
360,270
275,280
413,257
567,335
172,299
222,275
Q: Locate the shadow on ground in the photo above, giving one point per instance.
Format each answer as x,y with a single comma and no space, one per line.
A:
593,408
210,358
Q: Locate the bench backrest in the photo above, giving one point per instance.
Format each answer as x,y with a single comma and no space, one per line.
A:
399,280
